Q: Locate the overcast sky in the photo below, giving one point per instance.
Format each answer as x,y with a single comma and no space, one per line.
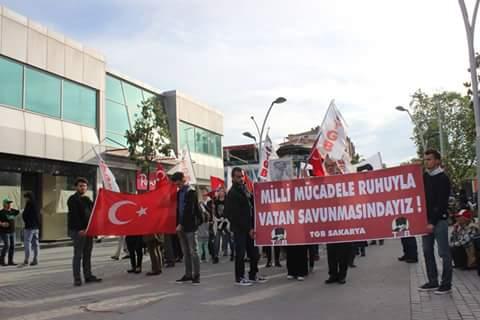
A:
238,56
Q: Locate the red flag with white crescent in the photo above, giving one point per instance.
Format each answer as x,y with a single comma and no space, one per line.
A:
123,214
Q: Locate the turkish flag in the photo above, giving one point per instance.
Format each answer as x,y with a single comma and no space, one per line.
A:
316,161
248,183
124,214
216,183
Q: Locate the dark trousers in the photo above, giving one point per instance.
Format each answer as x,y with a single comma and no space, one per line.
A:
297,261
8,240
276,253
153,247
410,250
459,256
440,235
338,255
312,255
135,248
211,245
244,243
82,255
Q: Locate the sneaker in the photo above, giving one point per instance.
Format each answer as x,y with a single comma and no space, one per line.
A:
77,283
259,279
402,258
183,280
289,277
243,283
428,287
34,263
196,280
300,278
115,257
342,281
22,265
443,290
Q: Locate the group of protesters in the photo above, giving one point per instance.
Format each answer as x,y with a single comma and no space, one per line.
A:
222,224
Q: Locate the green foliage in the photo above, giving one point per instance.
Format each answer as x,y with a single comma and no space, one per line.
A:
150,135
458,123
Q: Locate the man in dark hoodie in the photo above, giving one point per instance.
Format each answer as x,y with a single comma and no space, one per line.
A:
239,210
31,218
437,191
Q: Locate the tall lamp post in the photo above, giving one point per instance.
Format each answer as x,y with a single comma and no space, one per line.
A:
422,132
470,31
260,137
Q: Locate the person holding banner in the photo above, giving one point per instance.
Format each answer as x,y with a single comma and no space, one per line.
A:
239,210
188,220
338,254
437,192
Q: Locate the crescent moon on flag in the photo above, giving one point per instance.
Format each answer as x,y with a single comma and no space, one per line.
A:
112,212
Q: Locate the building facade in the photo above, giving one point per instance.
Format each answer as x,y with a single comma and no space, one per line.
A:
59,100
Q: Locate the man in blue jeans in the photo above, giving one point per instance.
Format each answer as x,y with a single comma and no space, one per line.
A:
7,232
437,191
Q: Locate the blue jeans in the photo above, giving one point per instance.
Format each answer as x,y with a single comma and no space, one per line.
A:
30,242
440,234
8,240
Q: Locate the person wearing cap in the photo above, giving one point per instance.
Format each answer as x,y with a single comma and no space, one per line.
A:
189,218
7,232
461,244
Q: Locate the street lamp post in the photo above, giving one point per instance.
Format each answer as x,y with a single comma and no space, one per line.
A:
470,31
422,132
260,138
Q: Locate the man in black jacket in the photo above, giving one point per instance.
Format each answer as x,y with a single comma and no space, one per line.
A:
79,209
188,220
239,210
437,191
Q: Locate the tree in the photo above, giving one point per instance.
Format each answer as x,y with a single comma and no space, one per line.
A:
458,124
150,135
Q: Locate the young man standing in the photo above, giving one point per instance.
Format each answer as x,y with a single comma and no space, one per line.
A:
7,231
188,220
239,210
437,191
79,209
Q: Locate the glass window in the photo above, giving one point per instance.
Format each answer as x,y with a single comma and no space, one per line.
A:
218,151
11,83
79,104
133,95
42,93
201,141
187,136
116,140
117,119
114,90
147,95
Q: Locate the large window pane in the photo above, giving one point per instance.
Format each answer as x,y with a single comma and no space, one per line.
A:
116,140
79,104
187,136
117,119
147,95
42,93
201,141
133,95
114,90
218,150
11,83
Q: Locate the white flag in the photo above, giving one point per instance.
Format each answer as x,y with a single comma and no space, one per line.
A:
185,165
265,155
108,179
374,161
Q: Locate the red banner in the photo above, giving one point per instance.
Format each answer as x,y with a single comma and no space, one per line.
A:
388,203
155,178
121,214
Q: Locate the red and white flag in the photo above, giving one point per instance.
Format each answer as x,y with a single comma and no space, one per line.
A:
216,183
185,165
108,179
331,141
265,153
157,177
123,214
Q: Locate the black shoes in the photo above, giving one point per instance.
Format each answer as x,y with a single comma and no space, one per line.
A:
268,265
92,279
184,279
278,264
77,283
331,280
411,260
342,281
196,280
154,273
402,258
428,287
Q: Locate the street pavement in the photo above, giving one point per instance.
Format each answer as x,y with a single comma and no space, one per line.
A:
379,288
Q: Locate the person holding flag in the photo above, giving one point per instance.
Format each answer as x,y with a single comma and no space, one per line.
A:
79,211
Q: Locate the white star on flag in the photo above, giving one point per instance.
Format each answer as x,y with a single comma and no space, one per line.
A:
142,211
